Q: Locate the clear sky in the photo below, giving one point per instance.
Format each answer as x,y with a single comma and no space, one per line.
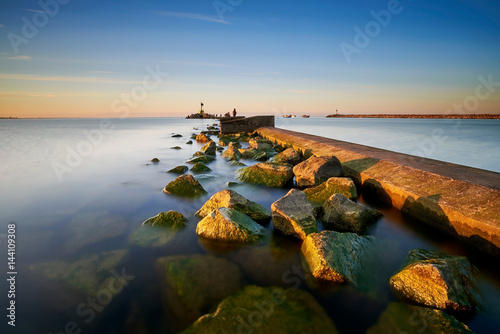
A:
89,58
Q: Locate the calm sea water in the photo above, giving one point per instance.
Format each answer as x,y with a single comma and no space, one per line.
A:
78,187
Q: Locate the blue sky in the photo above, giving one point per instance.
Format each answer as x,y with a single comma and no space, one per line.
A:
261,57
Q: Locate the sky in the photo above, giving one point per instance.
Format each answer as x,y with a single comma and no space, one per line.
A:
152,58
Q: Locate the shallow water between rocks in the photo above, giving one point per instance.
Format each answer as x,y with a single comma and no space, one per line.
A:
108,191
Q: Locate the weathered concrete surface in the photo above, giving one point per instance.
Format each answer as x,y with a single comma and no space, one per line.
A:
460,200
234,125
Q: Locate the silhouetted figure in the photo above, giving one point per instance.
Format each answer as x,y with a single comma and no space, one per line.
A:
227,114
234,112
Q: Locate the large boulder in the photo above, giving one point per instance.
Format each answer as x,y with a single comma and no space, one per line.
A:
334,185
260,144
228,225
338,257
210,148
293,215
266,174
288,156
231,199
401,318
437,280
200,167
202,138
316,170
159,230
342,214
232,153
179,170
266,310
192,285
185,186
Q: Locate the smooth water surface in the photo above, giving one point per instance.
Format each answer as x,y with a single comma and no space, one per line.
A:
79,187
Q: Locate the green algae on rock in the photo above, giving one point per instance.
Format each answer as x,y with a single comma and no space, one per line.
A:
192,285
266,174
437,280
232,153
280,311
228,225
334,185
293,215
185,186
159,230
200,167
403,318
179,170
201,158
176,148
210,148
288,156
338,257
170,219
316,170
342,214
231,199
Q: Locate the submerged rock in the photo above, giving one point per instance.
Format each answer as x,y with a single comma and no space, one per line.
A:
176,148
338,257
192,285
209,148
178,170
403,318
200,167
185,186
176,136
231,199
293,215
232,153
201,158
266,174
266,310
88,274
316,170
159,230
155,160
288,156
202,138
342,214
189,142
334,185
437,280
228,225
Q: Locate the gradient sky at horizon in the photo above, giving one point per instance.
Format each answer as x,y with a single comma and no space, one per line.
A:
261,57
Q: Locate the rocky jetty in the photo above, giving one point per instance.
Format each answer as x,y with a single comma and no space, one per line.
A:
185,186
437,280
266,310
334,185
316,170
266,174
293,215
342,214
231,199
228,225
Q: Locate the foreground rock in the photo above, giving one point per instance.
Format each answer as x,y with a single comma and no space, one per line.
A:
338,257
288,156
202,138
192,285
209,148
266,310
293,215
403,318
159,230
200,167
266,174
231,199
228,225
232,153
334,185
185,186
342,214
437,280
317,170
178,170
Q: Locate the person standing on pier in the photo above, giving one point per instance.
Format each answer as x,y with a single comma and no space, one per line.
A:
234,112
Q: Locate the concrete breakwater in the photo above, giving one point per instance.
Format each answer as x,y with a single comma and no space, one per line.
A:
459,200
430,116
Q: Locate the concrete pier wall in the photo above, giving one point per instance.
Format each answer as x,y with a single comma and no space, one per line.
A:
459,200
234,125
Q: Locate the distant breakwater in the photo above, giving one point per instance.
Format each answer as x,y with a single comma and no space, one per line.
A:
432,116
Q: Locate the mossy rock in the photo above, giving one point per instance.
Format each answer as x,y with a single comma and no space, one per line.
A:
179,170
202,138
159,230
334,185
232,153
210,148
289,156
176,148
266,174
200,167
189,142
201,158
170,219
280,311
155,160
185,186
